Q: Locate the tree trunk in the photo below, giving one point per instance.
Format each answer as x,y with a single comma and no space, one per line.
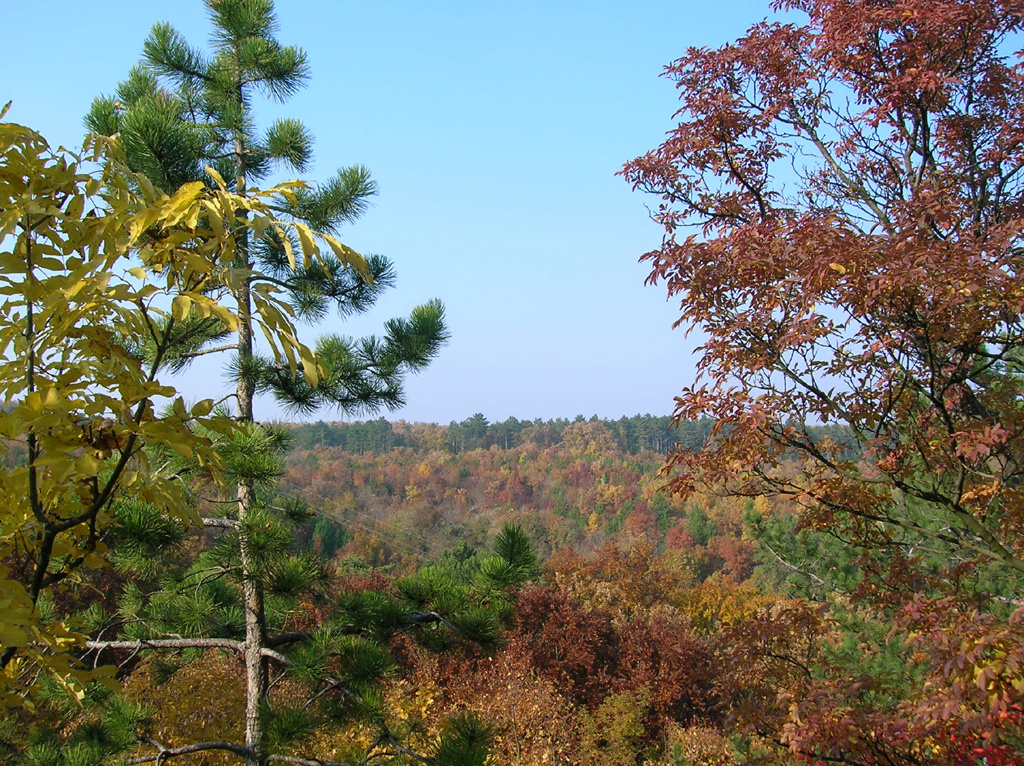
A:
256,679
255,641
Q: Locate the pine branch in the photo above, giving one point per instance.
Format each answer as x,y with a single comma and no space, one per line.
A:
169,643
184,643
203,352
413,618
165,752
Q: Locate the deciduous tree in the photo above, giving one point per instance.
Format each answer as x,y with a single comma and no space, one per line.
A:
842,209
80,397
841,205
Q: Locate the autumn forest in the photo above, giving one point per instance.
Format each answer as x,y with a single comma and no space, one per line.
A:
816,558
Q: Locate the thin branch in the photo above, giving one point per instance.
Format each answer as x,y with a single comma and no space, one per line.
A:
329,688
169,643
790,566
165,752
388,738
203,352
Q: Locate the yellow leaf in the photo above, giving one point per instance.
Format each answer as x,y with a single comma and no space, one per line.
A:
217,179
838,268
270,337
347,255
310,367
75,207
259,226
288,251
202,309
181,448
51,398
225,315
148,191
177,207
202,408
307,242
216,223
289,195
87,465
180,307
12,636
142,222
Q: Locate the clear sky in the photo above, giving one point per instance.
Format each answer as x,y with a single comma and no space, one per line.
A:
495,131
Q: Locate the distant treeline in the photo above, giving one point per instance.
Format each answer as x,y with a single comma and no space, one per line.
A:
640,433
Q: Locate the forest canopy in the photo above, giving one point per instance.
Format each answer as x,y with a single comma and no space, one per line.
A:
817,559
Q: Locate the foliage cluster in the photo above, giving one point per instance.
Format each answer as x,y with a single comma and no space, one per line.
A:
405,505
110,282
84,395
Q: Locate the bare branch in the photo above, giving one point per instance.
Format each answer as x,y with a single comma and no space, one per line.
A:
165,752
169,643
217,349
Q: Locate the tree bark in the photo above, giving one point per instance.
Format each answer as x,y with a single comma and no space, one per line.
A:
256,676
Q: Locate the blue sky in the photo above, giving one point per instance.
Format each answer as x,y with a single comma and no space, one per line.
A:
495,131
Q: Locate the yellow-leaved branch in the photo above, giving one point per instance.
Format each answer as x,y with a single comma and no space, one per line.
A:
99,273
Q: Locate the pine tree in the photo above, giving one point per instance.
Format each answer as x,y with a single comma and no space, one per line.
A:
186,115
183,113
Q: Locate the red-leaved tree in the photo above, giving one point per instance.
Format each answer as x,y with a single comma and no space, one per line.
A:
843,206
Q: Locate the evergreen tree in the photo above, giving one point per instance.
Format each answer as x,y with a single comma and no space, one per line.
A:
185,115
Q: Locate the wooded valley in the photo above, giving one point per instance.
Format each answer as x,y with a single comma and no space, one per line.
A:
816,559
